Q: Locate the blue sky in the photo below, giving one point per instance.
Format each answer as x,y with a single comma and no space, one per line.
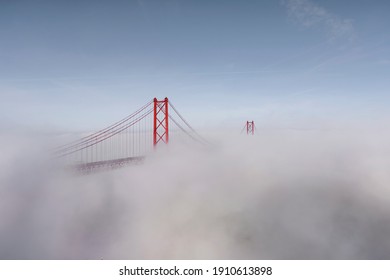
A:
80,65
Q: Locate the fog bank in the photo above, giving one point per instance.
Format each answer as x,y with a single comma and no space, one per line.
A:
279,195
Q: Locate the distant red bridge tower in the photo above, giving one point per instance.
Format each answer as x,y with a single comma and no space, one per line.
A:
250,128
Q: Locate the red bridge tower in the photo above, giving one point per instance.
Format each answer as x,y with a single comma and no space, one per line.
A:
160,121
250,127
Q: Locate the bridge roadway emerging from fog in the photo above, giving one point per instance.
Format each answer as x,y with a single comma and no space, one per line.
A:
97,166
127,141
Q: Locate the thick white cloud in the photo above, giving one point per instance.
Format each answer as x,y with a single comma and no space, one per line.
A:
281,194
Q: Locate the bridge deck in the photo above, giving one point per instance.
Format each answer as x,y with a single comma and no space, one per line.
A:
86,168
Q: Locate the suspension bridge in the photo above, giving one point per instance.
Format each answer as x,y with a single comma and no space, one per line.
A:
129,140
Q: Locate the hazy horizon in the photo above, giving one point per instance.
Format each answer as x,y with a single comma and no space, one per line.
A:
81,65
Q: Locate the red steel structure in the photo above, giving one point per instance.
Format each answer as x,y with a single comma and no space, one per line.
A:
160,121
126,141
250,127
